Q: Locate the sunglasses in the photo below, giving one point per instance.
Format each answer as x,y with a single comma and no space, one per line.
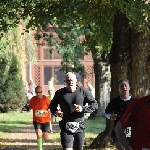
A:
38,92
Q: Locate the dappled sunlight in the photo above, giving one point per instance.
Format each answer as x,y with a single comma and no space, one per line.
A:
24,138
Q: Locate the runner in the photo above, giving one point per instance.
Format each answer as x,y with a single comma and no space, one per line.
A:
117,106
137,118
72,101
41,115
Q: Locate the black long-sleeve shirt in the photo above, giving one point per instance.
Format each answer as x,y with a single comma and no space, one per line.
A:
66,101
117,106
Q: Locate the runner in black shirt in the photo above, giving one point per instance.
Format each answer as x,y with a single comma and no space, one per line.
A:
117,106
72,100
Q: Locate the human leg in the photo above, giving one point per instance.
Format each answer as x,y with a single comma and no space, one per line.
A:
117,144
50,125
38,131
78,140
67,139
45,129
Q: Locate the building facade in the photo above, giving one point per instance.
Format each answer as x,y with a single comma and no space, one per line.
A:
48,66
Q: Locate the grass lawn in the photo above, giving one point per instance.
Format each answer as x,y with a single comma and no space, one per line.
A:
93,128
13,120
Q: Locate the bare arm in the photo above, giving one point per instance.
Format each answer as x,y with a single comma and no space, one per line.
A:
121,136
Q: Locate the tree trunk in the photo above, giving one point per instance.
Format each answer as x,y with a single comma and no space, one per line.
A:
98,73
119,61
97,87
139,68
102,83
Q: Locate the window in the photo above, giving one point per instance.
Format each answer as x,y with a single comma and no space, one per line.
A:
47,74
59,76
79,78
47,54
56,55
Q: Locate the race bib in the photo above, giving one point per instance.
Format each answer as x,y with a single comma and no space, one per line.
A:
72,126
39,113
127,132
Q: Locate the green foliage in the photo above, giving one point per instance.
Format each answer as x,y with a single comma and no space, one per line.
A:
4,68
12,91
11,85
68,44
136,11
5,57
93,15
82,12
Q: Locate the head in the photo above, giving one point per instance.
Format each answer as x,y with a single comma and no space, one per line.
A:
38,91
50,92
88,83
52,79
30,81
71,81
124,87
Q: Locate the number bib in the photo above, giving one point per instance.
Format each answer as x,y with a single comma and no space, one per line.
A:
72,126
127,132
39,113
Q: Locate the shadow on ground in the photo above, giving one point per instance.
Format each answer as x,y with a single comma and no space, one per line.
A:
24,138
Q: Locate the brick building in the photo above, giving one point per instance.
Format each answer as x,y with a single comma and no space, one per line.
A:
48,66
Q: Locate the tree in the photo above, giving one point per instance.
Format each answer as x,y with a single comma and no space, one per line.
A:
100,58
134,19
126,62
12,94
69,44
136,14
12,91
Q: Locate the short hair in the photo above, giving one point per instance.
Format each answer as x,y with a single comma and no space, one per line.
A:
70,73
38,87
119,81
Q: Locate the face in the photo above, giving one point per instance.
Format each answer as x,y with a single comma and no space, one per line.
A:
71,81
39,92
50,92
124,87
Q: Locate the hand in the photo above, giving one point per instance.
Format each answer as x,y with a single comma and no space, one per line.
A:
24,108
113,117
46,111
78,108
59,113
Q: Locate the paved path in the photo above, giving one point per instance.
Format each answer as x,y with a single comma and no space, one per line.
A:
24,138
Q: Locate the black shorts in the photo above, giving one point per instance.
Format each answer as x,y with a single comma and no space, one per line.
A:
75,140
43,126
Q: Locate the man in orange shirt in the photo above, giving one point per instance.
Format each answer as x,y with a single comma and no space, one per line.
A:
41,115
